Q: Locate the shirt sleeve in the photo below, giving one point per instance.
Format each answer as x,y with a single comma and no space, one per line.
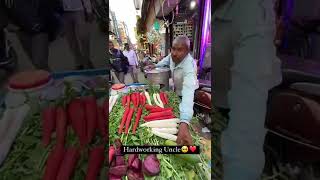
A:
135,58
164,62
188,88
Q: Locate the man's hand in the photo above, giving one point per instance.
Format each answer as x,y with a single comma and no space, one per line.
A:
184,137
149,67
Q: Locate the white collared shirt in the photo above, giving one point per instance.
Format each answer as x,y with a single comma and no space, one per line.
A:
132,57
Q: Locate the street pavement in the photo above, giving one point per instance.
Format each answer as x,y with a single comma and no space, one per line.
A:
128,79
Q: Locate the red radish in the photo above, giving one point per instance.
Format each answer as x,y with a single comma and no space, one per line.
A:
129,120
76,111
95,162
53,162
111,153
158,114
159,118
91,116
69,163
48,124
124,100
162,98
153,117
149,107
102,121
143,99
61,124
157,111
128,100
138,99
139,112
123,120
133,99
106,107
166,98
160,109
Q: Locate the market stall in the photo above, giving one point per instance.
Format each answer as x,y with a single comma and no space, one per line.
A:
53,126
145,115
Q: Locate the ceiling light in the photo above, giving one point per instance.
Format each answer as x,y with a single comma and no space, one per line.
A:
193,4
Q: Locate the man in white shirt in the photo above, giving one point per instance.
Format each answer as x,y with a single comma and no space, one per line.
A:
133,62
77,15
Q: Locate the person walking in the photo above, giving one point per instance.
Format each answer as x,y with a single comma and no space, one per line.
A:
38,23
119,62
77,16
133,62
245,69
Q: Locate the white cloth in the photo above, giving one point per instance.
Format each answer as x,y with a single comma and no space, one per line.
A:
132,57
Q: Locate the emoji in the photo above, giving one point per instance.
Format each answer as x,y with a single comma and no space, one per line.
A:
193,148
184,149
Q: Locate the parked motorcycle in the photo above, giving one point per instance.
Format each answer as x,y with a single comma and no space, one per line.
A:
293,127
202,100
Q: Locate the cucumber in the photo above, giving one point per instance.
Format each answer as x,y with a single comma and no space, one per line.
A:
191,158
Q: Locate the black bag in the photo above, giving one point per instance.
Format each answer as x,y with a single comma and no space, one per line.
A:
119,62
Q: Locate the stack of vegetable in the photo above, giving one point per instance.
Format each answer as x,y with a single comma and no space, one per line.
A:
65,141
156,130
120,168
85,118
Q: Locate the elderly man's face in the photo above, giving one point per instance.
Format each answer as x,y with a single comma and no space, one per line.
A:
178,51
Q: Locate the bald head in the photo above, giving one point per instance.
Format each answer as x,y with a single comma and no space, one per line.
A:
180,48
184,40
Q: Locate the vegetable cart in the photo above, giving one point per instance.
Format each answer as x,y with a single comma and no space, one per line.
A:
64,135
146,116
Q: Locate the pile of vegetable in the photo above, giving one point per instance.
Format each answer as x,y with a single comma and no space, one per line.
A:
156,125
66,139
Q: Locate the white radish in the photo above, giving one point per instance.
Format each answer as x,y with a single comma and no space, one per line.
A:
166,130
148,98
162,124
165,135
159,100
156,100
14,126
113,102
176,120
110,100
